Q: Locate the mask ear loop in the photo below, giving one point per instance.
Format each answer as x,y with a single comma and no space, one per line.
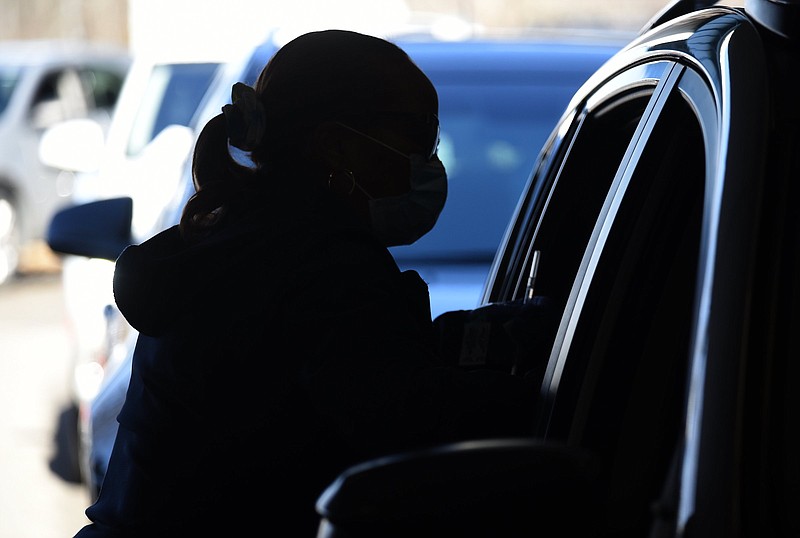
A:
353,182
373,139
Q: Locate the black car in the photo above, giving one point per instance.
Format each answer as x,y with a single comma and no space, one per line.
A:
649,286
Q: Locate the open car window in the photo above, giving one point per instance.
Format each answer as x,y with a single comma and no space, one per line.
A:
615,218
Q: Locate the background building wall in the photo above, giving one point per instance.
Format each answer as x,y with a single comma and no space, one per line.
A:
132,23
94,20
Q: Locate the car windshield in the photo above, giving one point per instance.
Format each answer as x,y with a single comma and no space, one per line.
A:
173,94
8,81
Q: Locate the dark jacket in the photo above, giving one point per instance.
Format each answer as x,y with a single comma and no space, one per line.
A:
272,355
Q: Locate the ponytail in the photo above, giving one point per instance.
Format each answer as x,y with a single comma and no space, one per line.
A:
218,182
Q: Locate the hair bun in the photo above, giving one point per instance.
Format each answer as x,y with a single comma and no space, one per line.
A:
245,118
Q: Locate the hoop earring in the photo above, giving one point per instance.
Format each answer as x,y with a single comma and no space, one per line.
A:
348,174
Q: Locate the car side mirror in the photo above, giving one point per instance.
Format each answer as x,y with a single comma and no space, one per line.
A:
73,145
510,487
100,229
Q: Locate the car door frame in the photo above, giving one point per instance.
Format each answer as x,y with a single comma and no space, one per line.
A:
711,45
715,485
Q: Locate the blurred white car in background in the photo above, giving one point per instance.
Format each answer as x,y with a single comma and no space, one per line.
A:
99,426
499,100
43,82
142,156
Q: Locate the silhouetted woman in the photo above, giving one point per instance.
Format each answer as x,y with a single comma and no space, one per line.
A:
279,342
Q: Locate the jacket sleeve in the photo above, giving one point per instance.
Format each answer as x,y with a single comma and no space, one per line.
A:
369,366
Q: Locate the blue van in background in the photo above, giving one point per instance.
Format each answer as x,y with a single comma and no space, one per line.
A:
498,103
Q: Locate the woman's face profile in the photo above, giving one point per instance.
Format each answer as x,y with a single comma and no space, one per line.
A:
381,141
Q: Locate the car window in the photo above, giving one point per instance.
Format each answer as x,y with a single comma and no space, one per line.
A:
8,81
568,186
59,96
616,219
103,86
173,94
630,347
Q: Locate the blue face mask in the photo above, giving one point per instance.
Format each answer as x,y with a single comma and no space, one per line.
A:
402,219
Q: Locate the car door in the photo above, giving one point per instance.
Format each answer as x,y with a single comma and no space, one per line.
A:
659,227
642,222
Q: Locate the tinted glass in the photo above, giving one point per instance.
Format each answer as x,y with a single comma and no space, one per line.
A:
623,384
104,87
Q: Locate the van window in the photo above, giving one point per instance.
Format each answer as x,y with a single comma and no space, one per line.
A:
104,87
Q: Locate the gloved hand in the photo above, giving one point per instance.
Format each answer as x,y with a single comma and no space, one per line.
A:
514,337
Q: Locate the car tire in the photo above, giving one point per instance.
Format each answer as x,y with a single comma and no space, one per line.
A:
9,237
65,462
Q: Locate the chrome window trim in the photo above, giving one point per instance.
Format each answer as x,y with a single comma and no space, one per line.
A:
719,330
594,248
712,124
